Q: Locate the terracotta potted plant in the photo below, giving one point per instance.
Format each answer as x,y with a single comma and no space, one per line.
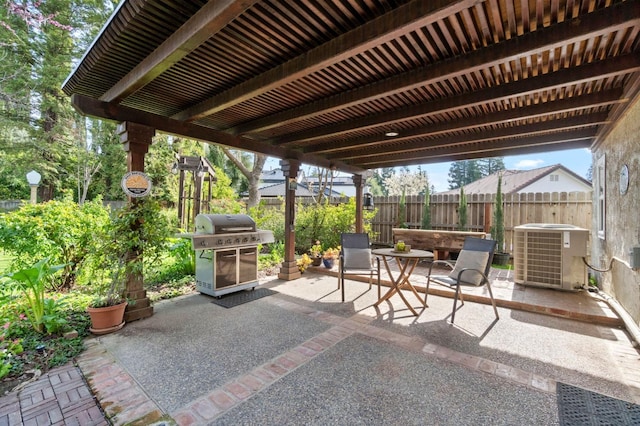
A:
316,254
107,308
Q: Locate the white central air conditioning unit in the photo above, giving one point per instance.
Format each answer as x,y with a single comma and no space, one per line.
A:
550,255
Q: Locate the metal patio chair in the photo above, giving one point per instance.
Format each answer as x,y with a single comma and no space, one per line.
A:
471,268
356,259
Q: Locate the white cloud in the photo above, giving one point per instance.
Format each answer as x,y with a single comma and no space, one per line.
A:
528,164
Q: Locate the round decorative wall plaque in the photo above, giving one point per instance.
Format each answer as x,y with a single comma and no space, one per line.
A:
136,184
624,179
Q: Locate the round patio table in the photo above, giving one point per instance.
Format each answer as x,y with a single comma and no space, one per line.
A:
406,261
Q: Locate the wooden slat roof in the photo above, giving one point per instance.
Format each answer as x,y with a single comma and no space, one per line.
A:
325,82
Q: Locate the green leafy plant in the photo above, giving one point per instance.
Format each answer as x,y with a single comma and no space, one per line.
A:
331,253
402,211
53,318
316,249
31,282
497,228
426,209
8,350
303,262
139,227
462,211
62,231
337,219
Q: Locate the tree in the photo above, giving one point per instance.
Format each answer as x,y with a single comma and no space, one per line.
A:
378,181
462,211
497,228
411,183
462,173
426,209
252,174
36,121
402,211
489,166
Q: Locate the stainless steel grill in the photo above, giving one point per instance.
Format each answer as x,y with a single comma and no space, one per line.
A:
227,252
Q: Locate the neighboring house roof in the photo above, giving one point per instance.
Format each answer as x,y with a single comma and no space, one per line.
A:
342,184
519,181
272,176
278,190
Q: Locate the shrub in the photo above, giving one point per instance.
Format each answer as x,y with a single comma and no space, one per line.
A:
322,222
62,231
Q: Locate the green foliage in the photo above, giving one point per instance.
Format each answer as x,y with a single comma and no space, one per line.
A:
325,223
59,230
426,209
22,346
497,228
462,211
463,172
185,257
489,166
31,283
273,258
139,227
175,264
270,218
9,349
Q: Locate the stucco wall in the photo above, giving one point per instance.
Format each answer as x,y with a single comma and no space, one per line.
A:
622,222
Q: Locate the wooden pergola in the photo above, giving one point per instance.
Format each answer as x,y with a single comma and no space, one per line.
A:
355,85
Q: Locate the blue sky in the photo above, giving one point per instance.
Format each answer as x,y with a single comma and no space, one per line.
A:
576,160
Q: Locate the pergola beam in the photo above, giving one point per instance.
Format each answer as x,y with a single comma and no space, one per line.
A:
559,79
379,31
564,106
592,25
118,113
213,17
568,140
487,135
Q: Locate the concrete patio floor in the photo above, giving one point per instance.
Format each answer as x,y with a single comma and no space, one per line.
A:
300,356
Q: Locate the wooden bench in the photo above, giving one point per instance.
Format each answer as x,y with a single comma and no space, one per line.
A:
441,243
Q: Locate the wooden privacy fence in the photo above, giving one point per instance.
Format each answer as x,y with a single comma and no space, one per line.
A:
573,208
556,207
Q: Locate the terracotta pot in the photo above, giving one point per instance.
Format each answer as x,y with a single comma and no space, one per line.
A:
108,319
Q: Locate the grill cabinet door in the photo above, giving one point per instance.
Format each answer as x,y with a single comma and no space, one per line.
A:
248,264
226,268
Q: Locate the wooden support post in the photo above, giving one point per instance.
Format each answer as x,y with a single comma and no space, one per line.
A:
136,139
358,182
289,269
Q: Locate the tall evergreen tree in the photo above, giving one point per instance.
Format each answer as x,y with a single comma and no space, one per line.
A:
426,209
489,166
497,228
462,211
462,173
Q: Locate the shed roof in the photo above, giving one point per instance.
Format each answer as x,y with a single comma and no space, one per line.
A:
327,82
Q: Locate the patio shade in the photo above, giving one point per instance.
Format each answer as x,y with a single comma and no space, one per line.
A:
354,85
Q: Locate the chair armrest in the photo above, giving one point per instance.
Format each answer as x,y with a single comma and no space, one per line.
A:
440,262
